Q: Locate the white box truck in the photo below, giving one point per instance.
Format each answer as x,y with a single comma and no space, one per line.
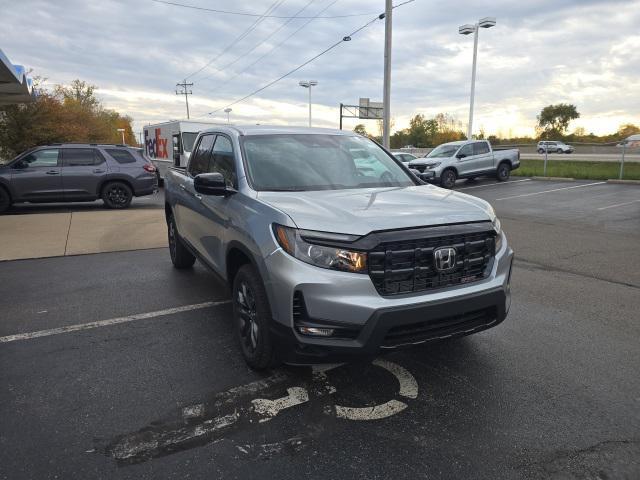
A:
169,144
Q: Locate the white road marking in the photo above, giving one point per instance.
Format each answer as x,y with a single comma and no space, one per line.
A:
494,184
108,322
370,413
408,383
618,205
270,408
552,190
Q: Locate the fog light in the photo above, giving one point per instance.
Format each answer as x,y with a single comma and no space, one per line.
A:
318,332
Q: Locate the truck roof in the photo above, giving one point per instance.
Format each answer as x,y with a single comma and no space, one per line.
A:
279,129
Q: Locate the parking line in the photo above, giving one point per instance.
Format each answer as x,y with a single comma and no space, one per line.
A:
619,205
111,321
497,183
552,190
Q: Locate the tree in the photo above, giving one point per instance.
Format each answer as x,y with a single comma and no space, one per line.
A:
627,130
554,119
360,129
66,114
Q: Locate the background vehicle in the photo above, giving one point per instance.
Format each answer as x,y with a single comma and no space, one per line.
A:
467,159
404,157
554,147
331,248
170,143
77,173
633,141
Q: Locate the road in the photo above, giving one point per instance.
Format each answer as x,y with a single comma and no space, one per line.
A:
584,157
552,392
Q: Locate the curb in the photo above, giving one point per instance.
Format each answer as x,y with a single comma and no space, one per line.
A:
624,182
563,179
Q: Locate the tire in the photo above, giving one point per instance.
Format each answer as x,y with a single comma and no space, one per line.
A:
181,257
541,151
503,172
252,318
448,178
117,195
559,151
5,200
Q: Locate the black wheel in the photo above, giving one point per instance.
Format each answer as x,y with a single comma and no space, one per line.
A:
5,200
252,316
117,195
503,172
541,150
448,178
559,151
181,257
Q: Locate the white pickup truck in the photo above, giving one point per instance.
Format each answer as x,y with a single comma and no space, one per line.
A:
467,159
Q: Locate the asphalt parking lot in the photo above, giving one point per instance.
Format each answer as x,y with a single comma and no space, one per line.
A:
115,365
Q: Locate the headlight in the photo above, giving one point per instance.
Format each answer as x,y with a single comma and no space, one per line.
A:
498,228
434,165
319,255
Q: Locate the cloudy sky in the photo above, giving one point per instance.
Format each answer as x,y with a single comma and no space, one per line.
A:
585,52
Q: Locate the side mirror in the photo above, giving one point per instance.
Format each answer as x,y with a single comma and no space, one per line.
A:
460,155
211,184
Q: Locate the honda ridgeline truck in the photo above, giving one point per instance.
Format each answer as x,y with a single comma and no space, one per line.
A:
331,247
467,159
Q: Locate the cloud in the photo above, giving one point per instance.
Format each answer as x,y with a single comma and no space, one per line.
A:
540,52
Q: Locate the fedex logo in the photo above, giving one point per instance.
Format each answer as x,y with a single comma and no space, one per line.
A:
156,147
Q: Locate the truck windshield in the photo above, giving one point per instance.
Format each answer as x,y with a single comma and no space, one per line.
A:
443,151
187,140
300,162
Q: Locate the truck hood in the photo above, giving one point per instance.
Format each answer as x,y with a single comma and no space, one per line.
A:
361,211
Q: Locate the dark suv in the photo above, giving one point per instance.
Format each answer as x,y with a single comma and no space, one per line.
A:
77,173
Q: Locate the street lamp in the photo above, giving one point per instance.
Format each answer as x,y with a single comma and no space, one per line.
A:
486,22
228,111
121,130
308,84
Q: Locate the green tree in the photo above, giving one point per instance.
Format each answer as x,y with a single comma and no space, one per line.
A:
360,129
554,119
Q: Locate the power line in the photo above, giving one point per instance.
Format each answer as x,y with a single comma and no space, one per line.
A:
252,27
346,38
274,48
245,14
259,44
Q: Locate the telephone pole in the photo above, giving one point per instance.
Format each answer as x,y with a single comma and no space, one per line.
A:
186,92
386,94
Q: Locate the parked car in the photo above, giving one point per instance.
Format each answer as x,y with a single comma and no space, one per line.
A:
404,157
329,258
554,147
65,172
467,159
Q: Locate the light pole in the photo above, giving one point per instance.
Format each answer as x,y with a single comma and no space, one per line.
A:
486,22
308,84
121,130
228,111
386,88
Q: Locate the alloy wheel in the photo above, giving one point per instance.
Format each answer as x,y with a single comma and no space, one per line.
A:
246,307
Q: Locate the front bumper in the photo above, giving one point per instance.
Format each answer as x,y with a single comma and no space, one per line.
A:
380,323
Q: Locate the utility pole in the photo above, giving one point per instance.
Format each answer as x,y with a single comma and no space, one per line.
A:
186,92
386,94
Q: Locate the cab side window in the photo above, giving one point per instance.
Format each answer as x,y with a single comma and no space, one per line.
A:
480,148
222,160
76,157
199,161
467,150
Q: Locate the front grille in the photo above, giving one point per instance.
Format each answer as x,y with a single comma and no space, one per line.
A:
408,266
440,328
420,168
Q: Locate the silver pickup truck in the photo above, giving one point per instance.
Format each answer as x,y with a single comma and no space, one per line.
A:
332,249
467,159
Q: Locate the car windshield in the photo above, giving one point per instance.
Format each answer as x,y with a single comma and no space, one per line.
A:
301,162
187,140
443,151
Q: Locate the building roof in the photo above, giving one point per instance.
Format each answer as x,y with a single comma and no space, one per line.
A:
15,86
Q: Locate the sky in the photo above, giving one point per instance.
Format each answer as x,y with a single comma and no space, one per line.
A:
585,52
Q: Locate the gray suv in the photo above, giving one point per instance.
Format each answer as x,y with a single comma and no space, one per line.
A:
77,173
333,250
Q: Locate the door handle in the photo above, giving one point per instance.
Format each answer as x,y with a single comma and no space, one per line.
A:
53,172
198,196
182,186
